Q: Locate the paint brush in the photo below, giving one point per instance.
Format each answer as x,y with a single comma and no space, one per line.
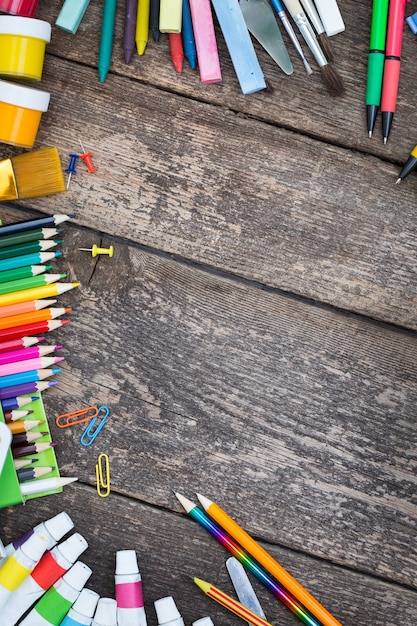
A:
329,74
322,38
32,174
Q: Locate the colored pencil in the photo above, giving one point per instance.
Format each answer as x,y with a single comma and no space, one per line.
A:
24,284
30,364
25,307
230,603
28,235
23,439
45,484
27,353
268,562
19,463
21,390
23,426
46,291
39,222
14,415
36,316
31,329
32,448
23,272
30,376
13,403
19,344
28,259
29,473
31,247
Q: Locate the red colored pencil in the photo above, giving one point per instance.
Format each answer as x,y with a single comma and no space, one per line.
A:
177,50
31,329
19,343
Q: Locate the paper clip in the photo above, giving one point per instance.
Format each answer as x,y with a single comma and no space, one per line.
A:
92,430
103,475
70,419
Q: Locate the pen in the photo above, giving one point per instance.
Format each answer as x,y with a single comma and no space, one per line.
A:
392,64
376,59
409,165
106,39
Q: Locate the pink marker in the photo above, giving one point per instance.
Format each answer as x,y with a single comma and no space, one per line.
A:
128,584
205,41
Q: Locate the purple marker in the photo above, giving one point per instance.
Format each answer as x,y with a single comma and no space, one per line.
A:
128,584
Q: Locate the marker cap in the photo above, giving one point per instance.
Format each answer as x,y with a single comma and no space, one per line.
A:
203,621
77,576
86,603
167,612
126,562
59,525
106,612
72,547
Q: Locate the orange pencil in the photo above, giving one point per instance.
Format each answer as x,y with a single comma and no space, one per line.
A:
268,562
31,318
25,307
23,426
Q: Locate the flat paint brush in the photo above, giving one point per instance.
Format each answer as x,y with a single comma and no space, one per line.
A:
30,175
331,78
322,38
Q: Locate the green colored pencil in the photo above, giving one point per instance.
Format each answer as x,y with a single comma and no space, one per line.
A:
30,283
28,248
16,239
23,272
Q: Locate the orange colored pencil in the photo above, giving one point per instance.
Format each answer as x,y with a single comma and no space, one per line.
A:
268,562
23,426
25,307
31,318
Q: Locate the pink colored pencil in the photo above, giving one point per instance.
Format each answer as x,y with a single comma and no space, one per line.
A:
19,343
27,353
25,307
205,41
30,364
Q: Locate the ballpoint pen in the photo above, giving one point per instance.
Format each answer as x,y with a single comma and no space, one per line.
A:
376,59
408,166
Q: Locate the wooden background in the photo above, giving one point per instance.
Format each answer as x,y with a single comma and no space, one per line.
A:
254,335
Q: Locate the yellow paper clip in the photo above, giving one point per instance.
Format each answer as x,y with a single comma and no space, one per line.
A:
71,418
92,429
103,475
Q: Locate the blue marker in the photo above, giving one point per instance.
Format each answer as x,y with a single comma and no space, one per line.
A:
187,33
240,46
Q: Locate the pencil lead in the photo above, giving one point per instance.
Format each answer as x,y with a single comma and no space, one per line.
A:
332,80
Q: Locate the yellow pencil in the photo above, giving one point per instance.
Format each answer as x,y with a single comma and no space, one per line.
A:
268,562
46,291
142,25
229,603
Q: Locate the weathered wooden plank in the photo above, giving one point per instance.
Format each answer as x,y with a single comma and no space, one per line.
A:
172,547
246,396
299,102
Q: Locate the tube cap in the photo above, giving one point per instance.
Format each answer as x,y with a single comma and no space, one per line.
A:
77,576
106,612
86,603
25,26
166,610
203,621
59,525
72,547
34,547
126,562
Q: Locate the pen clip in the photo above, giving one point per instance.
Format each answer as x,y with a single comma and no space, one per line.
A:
103,475
71,418
92,430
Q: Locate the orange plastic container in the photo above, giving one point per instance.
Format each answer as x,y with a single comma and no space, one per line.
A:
21,111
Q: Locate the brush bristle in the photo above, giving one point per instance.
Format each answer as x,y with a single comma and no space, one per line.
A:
38,173
326,47
332,80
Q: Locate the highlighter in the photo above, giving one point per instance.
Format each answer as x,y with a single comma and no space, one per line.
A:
128,585
82,611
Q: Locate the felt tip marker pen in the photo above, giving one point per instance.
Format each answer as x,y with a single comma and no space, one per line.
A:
52,566
106,613
128,586
167,612
18,567
57,601
82,611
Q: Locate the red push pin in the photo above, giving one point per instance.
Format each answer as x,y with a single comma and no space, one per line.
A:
86,157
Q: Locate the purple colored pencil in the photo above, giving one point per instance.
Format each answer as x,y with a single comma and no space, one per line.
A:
19,390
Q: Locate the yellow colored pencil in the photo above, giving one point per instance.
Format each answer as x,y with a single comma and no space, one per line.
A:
268,562
230,603
46,291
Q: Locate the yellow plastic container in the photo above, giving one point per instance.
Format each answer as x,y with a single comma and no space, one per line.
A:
22,47
21,111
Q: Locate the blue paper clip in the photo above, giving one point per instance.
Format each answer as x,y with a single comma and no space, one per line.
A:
92,430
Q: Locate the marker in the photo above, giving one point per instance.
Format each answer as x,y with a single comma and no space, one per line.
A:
17,567
82,611
52,607
167,612
128,586
105,614
376,59
52,566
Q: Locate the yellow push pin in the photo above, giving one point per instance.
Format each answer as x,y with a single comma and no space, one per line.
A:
95,250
